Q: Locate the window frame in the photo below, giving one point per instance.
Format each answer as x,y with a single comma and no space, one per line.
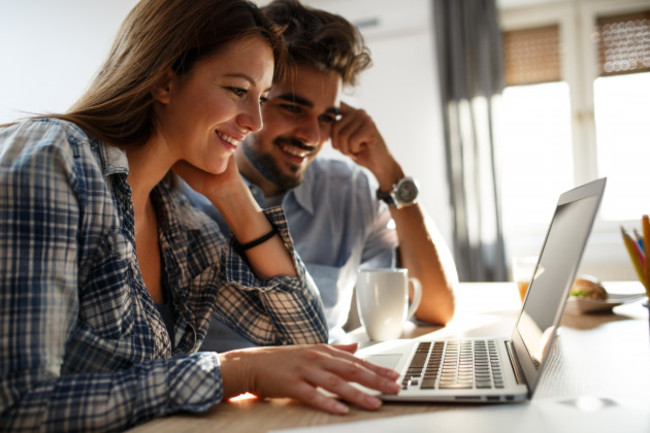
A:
579,68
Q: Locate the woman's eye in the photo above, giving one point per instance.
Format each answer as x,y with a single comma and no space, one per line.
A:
237,91
263,100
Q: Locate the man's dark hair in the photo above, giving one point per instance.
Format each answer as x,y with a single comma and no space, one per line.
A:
320,39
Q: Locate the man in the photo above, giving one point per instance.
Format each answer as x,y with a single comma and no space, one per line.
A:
338,215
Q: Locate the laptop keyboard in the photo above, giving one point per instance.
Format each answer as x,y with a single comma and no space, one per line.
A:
464,364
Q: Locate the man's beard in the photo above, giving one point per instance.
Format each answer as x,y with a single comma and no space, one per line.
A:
268,167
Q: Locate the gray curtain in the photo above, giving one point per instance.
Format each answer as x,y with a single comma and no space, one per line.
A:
469,54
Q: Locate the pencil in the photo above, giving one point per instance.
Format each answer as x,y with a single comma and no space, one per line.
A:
635,257
639,240
638,248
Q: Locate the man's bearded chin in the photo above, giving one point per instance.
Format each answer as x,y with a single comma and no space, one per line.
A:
267,167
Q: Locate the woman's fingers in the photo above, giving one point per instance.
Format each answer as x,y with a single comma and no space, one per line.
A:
302,372
343,389
334,370
358,371
322,388
392,375
308,394
350,347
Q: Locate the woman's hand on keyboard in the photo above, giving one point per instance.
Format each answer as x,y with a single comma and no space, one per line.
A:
298,372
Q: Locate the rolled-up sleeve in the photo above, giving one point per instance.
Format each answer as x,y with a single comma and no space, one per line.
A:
280,310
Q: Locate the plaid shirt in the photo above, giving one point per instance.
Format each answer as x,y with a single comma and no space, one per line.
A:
82,345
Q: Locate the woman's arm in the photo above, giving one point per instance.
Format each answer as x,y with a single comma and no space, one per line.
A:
274,311
230,195
46,172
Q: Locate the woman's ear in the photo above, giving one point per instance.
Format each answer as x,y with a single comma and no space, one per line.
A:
162,89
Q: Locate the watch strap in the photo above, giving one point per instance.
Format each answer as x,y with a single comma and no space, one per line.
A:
393,198
386,197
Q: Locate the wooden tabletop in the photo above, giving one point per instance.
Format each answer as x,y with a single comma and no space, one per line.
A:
602,354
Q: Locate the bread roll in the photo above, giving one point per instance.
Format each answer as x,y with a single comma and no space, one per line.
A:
586,286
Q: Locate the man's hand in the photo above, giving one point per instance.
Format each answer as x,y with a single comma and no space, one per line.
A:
297,372
357,136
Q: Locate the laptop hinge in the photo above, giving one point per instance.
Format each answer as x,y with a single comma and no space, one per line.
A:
516,368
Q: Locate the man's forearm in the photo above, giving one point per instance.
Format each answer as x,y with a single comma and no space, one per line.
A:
424,253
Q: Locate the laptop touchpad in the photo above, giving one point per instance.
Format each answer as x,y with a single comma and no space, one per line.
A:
388,360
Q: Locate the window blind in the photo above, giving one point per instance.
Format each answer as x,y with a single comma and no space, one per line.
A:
624,43
532,55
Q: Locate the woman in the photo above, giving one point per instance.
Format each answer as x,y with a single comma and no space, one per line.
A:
108,277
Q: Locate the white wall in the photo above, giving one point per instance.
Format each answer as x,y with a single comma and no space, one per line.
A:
51,50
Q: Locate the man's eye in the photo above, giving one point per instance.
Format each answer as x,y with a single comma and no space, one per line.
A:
326,118
294,109
237,91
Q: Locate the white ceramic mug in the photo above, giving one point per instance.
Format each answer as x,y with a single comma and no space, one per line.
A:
383,301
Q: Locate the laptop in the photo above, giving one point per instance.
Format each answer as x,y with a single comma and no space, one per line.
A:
491,369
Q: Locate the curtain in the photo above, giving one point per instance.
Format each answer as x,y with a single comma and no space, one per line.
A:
469,55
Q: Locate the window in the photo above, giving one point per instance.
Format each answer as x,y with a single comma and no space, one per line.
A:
622,110
622,115
535,143
575,108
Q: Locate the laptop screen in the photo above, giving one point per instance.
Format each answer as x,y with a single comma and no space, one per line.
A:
554,275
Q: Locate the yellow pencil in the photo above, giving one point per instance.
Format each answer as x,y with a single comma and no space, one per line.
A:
645,223
636,260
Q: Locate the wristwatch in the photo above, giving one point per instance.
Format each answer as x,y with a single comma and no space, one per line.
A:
404,193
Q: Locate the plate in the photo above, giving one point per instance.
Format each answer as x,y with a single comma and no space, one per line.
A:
582,305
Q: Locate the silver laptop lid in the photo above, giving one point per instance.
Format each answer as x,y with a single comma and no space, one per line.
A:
555,272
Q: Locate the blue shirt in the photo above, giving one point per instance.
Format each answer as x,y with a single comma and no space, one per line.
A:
82,345
337,226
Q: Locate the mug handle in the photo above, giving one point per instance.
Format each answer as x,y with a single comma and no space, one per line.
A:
417,297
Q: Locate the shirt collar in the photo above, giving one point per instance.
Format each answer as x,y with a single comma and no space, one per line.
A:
114,159
301,194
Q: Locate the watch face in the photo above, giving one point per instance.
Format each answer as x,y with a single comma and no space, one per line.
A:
407,191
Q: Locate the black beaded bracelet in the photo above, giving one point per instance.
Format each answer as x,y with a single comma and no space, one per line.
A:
258,241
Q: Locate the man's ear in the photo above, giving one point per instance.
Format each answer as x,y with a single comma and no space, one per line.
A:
162,89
